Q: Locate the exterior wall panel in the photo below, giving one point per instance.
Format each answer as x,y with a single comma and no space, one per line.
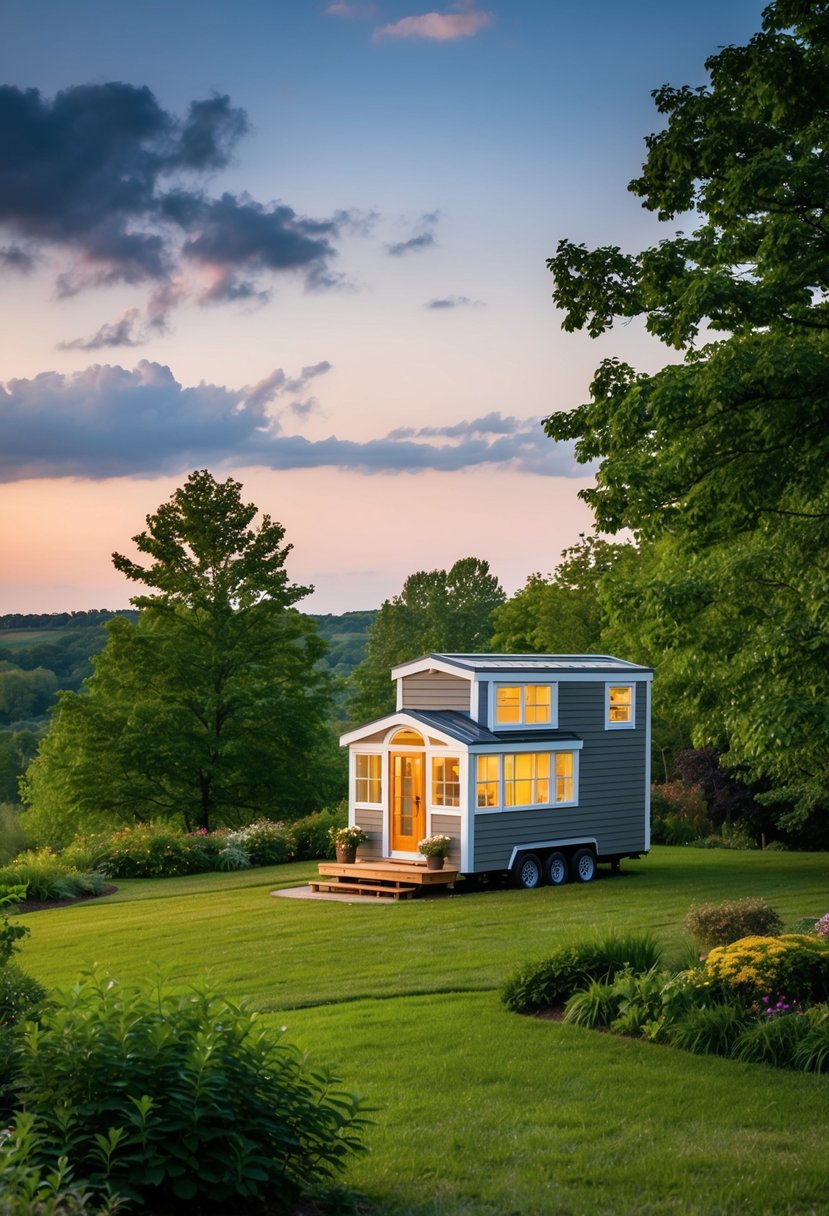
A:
371,821
435,690
449,825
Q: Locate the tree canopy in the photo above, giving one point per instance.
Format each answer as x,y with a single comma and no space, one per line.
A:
212,707
719,463
437,610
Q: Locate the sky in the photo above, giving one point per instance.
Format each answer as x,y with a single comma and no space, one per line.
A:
303,244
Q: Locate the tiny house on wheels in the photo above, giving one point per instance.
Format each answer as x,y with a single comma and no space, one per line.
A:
534,764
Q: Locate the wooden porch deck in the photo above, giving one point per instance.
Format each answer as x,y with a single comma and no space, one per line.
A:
384,876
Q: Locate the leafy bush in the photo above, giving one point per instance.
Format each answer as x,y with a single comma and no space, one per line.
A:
638,1000
311,834
151,850
266,842
19,994
773,1040
593,1007
232,856
709,1029
27,1190
181,1100
679,813
551,981
754,967
812,1052
721,924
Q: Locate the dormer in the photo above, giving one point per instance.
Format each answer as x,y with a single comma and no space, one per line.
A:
507,694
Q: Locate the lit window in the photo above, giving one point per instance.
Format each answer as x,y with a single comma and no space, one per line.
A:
565,777
446,781
527,779
524,705
368,784
619,706
487,781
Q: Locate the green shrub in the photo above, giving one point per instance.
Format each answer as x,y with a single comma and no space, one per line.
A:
46,876
12,836
27,1190
812,1052
721,924
638,999
312,841
232,856
593,1007
183,1101
773,1040
151,850
793,965
266,842
19,994
709,1030
551,981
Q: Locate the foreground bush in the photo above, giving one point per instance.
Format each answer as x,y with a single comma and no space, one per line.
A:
549,982
720,924
182,1100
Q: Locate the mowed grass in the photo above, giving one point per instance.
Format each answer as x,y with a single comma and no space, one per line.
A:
478,1110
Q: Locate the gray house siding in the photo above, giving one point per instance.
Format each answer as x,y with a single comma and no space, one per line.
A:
612,786
435,690
449,825
371,821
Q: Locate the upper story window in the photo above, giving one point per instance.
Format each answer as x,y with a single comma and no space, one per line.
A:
524,705
620,706
368,779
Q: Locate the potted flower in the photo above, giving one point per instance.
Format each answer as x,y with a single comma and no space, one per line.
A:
346,841
435,849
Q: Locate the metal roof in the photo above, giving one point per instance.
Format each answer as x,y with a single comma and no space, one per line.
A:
493,663
461,727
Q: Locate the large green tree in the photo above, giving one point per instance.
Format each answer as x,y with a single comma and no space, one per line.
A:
561,613
211,709
719,463
449,611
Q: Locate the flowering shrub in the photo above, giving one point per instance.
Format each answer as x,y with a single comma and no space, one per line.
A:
757,966
822,926
435,846
720,924
312,834
348,837
266,842
151,850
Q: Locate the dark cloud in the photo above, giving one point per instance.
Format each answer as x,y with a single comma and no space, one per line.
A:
110,422
15,257
123,332
413,245
98,175
447,302
423,238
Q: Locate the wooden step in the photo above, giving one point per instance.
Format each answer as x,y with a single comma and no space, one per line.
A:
363,888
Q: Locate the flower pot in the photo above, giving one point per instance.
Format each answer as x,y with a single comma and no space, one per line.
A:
347,854
434,863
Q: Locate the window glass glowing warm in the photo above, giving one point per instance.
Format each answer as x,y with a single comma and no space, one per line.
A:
537,703
446,781
620,705
527,779
368,782
487,780
565,769
407,738
508,705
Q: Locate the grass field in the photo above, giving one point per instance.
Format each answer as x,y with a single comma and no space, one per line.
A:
478,1110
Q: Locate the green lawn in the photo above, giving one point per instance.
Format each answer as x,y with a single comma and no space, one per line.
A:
478,1110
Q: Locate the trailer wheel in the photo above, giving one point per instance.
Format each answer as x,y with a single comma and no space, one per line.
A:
527,872
584,865
556,869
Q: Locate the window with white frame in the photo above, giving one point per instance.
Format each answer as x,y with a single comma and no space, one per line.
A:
620,706
524,705
368,779
446,781
529,779
488,781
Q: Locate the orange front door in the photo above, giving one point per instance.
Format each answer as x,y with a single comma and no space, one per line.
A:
408,803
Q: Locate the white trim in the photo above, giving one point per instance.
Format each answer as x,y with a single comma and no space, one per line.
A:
528,745
608,725
647,770
430,663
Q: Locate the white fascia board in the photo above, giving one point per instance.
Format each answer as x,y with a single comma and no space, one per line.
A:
395,721
430,663
532,745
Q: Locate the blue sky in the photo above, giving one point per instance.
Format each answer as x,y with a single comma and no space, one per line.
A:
303,244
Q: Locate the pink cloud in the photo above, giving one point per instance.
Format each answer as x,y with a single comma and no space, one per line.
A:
354,12
439,27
